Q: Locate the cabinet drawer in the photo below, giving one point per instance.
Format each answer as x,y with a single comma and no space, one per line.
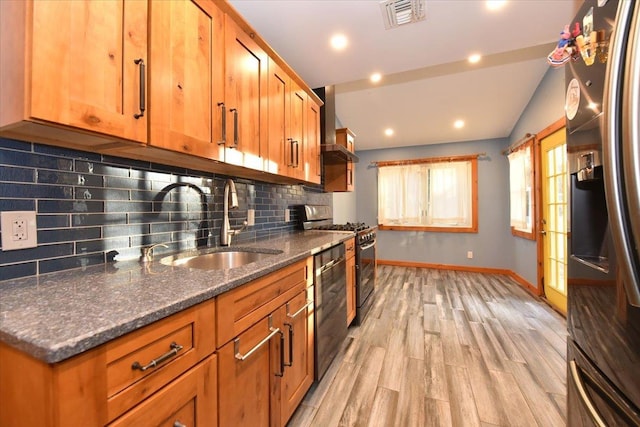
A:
240,308
350,248
140,363
190,400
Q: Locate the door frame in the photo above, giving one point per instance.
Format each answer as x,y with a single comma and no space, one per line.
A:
553,127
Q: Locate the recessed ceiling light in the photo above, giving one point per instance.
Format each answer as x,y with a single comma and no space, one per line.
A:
388,131
339,41
376,77
495,4
458,124
475,58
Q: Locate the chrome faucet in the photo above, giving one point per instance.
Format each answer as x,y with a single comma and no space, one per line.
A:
225,231
147,252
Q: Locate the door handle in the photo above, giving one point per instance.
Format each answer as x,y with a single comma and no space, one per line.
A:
543,232
223,136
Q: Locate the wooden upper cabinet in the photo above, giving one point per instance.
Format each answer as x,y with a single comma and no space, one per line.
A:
279,116
297,146
76,64
186,77
312,166
246,69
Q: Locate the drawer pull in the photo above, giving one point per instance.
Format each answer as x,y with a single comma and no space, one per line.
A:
178,424
304,307
175,348
236,342
236,345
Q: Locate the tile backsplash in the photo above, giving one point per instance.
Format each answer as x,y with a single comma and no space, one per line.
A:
94,208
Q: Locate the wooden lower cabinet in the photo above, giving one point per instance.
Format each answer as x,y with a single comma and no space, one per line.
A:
265,371
190,400
108,385
350,252
298,324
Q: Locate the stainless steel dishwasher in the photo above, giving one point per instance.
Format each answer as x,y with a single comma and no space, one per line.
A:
330,306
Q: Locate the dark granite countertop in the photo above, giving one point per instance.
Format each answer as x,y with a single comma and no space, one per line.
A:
56,316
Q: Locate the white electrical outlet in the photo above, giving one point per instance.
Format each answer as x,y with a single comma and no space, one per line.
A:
19,230
251,216
470,254
287,215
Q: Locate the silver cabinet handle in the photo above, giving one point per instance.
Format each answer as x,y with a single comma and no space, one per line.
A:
304,307
584,396
236,344
178,424
235,127
223,133
175,348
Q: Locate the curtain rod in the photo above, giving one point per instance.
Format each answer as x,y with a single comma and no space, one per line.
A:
513,147
427,160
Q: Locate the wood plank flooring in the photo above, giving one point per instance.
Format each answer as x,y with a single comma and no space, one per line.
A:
445,348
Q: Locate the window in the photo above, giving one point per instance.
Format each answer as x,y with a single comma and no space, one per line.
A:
438,194
521,190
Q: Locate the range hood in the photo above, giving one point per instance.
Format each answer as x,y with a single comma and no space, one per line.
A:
331,152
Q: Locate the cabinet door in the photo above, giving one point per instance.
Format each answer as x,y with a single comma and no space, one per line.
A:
246,66
298,323
298,119
312,167
186,77
83,65
190,400
246,374
279,117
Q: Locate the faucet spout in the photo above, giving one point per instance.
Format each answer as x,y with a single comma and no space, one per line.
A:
230,202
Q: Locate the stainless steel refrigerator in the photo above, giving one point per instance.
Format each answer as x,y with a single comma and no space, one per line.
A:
603,128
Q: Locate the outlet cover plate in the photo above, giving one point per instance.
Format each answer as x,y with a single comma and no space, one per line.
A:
19,230
251,217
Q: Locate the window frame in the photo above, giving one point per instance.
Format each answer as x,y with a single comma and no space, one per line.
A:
473,159
530,143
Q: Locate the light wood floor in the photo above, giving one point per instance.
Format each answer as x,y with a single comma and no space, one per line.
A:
444,348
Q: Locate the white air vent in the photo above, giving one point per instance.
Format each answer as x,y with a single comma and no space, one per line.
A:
400,12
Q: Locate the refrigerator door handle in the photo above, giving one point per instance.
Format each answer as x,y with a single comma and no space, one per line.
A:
612,161
584,396
631,148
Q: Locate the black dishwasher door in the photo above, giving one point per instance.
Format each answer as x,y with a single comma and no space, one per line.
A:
330,306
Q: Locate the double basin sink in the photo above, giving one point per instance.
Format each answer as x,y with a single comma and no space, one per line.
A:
219,258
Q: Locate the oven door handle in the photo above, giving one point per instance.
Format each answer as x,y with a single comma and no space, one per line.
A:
370,245
576,375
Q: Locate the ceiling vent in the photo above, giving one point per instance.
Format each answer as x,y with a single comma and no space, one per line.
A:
401,12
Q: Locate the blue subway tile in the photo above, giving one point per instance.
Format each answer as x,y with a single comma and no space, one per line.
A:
67,263
16,174
14,145
33,191
17,205
80,220
65,152
84,166
68,178
70,206
30,254
68,234
15,271
52,221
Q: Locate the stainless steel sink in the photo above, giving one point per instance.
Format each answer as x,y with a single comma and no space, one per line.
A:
219,259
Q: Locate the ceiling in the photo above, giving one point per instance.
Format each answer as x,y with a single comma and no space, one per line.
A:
427,82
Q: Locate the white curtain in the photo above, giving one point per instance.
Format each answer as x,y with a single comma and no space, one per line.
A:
520,188
450,194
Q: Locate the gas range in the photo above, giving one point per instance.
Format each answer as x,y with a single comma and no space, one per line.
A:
319,217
